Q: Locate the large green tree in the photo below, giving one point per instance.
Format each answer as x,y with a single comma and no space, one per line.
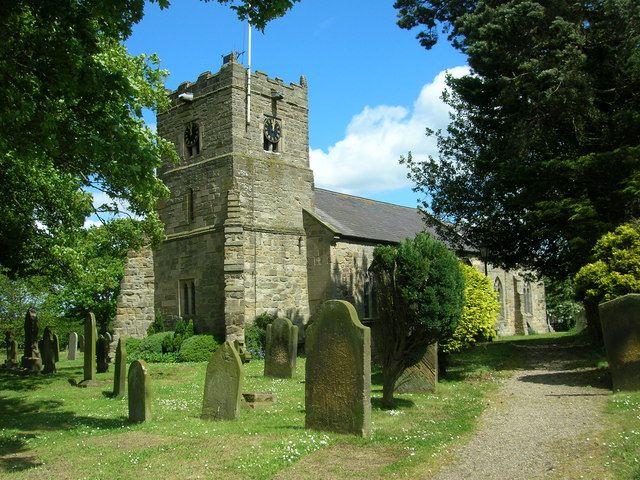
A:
542,154
71,100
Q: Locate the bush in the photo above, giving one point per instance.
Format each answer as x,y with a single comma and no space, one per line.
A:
479,314
157,325
153,343
616,267
255,336
197,348
133,346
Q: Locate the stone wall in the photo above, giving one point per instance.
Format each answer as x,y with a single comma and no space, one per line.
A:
135,305
319,240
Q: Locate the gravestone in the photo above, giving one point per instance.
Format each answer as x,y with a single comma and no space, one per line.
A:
338,371
109,337
139,392
81,343
12,350
31,359
73,346
102,354
421,377
621,334
90,347
222,385
281,349
120,368
56,347
48,352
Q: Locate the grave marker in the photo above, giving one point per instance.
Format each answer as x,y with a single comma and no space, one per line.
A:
90,347
338,371
73,346
120,369
31,359
223,383
139,392
48,352
281,349
421,377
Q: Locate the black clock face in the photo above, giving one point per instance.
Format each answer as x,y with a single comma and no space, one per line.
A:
191,135
272,130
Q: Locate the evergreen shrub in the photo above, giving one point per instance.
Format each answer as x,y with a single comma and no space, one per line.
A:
197,348
255,336
479,314
153,343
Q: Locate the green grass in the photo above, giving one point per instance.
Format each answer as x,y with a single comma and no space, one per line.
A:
50,429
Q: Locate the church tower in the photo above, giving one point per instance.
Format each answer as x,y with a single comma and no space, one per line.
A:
235,245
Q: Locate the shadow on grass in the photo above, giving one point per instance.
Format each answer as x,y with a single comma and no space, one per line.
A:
13,454
376,403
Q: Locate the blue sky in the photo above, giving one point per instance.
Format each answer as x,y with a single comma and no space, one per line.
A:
372,88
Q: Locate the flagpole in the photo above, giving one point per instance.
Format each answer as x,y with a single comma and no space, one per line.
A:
249,76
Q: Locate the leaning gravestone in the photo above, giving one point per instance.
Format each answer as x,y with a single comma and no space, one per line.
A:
48,352
338,371
31,359
281,349
81,343
421,377
102,354
222,385
56,345
73,346
621,334
120,369
90,347
139,392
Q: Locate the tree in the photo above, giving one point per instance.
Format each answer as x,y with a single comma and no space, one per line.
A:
71,100
542,154
419,289
479,314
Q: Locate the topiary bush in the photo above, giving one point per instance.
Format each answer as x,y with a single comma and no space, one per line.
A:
157,325
153,343
479,314
197,348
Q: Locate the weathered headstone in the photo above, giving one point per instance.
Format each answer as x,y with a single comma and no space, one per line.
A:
222,385
48,352
73,346
621,334
139,392
281,349
12,350
81,343
109,337
90,347
56,346
120,368
421,377
338,371
245,355
31,359
102,354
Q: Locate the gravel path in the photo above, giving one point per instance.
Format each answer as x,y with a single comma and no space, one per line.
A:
544,423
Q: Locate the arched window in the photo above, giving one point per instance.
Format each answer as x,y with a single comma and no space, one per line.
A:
528,303
497,286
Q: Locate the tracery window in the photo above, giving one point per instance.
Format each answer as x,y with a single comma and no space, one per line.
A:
497,286
528,303
187,289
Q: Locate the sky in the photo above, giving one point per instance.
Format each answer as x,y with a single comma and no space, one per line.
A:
373,89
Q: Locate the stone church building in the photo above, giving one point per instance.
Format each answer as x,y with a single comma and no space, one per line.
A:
247,232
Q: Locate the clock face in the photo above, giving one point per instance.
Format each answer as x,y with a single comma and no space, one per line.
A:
272,130
191,135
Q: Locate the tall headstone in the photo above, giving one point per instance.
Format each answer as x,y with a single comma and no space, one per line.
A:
281,349
81,343
120,369
56,346
139,392
102,354
31,359
338,371
222,385
90,347
73,346
421,377
621,334
48,351
12,350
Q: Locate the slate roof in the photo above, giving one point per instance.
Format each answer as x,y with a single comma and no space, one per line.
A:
362,218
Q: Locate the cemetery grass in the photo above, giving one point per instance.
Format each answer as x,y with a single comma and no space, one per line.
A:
52,429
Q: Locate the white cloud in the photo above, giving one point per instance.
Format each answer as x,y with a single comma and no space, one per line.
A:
100,198
366,160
